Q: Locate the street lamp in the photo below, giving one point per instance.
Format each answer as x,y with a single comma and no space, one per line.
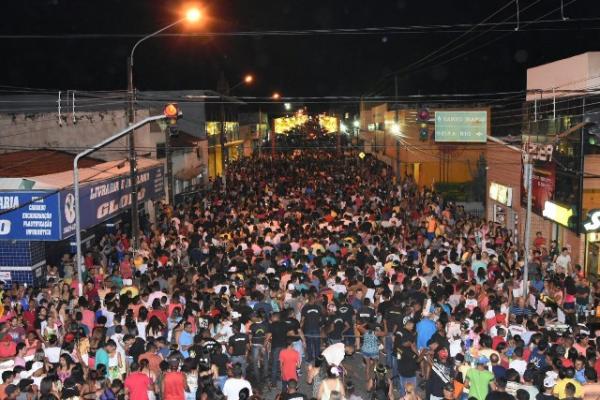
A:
288,106
248,79
276,96
192,15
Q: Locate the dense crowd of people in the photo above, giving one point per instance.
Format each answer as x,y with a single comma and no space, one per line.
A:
310,277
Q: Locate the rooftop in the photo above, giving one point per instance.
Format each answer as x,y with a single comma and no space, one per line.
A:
28,163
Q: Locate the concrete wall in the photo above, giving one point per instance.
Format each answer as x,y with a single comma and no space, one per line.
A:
22,131
574,73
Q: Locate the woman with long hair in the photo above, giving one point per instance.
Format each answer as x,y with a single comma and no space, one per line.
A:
142,322
332,383
155,328
92,387
65,367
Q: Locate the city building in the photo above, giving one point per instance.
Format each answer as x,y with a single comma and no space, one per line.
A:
406,137
37,207
560,120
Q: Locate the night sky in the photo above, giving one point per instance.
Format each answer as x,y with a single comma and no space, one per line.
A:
315,65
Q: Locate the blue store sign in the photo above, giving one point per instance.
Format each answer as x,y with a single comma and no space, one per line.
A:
29,215
103,200
50,215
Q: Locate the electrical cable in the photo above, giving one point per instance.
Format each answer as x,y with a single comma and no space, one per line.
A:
409,29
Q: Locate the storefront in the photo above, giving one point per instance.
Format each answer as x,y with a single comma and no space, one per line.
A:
31,219
592,242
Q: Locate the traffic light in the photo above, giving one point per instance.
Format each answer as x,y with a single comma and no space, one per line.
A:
423,119
593,131
172,114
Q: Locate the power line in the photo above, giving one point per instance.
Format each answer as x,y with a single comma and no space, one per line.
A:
408,29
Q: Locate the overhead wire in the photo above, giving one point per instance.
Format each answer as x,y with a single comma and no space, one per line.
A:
436,53
407,29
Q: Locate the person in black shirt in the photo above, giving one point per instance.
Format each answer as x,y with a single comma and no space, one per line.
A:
208,343
278,330
259,330
220,360
365,313
500,391
135,346
336,328
292,392
311,326
408,363
239,345
392,322
346,312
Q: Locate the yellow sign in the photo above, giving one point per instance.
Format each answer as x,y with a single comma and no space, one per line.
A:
286,124
214,128
329,124
557,213
502,194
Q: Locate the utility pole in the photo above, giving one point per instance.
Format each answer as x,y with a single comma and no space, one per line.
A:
528,172
223,88
168,155
259,132
132,156
273,142
398,175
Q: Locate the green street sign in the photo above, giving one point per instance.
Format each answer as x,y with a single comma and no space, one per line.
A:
461,126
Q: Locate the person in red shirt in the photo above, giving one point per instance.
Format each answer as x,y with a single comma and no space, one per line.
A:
289,360
539,241
158,312
137,384
174,384
125,268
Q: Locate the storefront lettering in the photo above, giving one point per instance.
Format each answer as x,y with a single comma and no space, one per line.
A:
5,226
593,223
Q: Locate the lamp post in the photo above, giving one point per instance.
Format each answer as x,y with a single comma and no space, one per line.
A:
248,79
85,153
276,96
192,15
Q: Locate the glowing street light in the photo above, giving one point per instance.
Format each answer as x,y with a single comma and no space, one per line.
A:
288,106
356,123
276,96
248,79
193,15
343,127
395,129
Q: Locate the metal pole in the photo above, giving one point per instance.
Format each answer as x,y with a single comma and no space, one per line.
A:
273,142
132,156
79,261
528,169
222,141
85,153
260,143
170,186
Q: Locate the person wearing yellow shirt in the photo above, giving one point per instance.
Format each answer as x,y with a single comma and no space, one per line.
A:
560,388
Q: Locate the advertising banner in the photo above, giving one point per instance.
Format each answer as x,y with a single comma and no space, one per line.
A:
542,186
29,215
103,200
